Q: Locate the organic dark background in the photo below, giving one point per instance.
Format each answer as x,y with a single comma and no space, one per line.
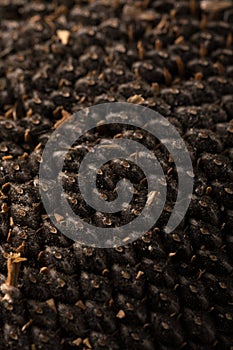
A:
164,291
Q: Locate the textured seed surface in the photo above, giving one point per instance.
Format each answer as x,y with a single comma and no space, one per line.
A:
164,291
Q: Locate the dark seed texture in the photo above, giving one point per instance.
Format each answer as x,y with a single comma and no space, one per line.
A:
163,291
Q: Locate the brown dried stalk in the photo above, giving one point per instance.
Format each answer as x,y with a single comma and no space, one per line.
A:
216,5
13,267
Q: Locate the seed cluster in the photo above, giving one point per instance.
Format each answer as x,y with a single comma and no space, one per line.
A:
164,291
